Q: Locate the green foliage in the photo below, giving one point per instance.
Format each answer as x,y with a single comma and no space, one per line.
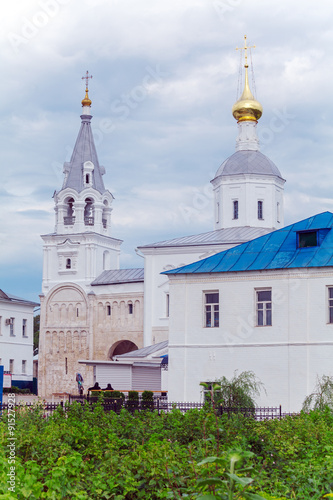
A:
83,452
133,395
147,395
16,390
239,392
322,397
118,395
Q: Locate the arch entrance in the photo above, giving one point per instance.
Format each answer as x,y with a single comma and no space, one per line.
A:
121,347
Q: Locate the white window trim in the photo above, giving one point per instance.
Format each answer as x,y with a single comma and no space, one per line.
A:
264,289
328,304
204,303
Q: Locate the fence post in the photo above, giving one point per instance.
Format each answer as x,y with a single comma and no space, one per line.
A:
280,412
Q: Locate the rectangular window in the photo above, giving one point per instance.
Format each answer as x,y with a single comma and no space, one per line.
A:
260,210
24,366
212,315
264,307
130,308
235,207
167,305
11,366
330,304
24,328
307,239
11,327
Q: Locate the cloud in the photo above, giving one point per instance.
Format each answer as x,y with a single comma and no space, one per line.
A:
163,147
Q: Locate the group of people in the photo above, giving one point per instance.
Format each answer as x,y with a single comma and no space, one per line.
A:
96,387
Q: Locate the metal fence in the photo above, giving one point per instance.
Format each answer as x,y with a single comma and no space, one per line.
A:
158,404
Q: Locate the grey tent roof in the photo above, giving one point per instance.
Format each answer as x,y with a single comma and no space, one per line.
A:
84,150
248,162
225,236
117,276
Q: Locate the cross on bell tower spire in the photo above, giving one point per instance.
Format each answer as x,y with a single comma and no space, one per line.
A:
86,101
245,51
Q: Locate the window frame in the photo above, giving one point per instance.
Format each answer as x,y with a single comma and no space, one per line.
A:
267,312
214,321
11,327
235,210
329,305
260,210
24,328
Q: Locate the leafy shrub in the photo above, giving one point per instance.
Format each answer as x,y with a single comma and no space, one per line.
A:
239,392
322,397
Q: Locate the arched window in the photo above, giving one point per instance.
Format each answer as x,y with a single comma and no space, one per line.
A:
104,214
106,260
108,310
69,219
235,209
260,210
87,178
89,212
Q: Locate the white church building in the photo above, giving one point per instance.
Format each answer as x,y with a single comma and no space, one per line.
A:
217,317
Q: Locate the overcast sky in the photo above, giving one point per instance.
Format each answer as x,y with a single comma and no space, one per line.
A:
165,77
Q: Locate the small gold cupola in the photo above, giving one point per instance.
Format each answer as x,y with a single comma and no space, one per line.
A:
86,101
247,108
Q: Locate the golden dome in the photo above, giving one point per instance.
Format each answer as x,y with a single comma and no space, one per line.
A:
86,101
247,107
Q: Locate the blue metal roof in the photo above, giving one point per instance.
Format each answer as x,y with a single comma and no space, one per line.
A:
276,250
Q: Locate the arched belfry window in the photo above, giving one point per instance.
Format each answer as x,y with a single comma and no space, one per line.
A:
104,214
69,219
89,212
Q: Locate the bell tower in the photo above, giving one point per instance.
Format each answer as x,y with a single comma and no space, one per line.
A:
81,246
248,187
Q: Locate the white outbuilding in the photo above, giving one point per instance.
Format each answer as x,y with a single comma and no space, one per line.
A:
16,338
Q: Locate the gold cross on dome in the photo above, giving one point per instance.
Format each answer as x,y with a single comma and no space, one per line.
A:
245,51
86,78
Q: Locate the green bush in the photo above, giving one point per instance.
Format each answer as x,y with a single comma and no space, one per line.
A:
82,452
147,395
133,395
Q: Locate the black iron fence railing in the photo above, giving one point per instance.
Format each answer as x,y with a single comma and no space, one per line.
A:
159,404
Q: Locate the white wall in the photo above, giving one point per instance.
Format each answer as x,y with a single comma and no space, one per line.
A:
248,190
286,356
156,285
